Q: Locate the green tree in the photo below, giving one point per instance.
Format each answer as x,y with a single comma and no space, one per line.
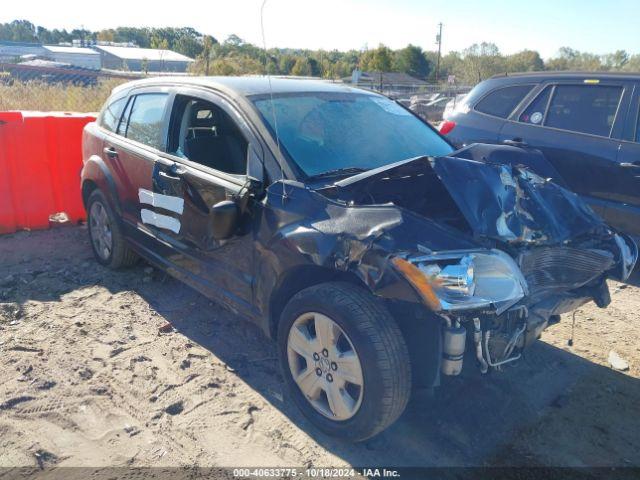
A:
524,61
18,31
411,60
234,41
205,56
616,60
159,43
633,64
377,60
138,36
570,59
301,68
286,63
108,35
480,61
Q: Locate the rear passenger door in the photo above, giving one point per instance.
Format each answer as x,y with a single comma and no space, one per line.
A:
577,127
132,150
489,115
210,153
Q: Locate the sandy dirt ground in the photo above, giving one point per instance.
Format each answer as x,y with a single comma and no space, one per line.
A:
89,377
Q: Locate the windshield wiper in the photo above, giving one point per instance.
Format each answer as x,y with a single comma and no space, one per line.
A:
337,171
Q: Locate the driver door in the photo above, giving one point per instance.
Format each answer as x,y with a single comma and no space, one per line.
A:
208,159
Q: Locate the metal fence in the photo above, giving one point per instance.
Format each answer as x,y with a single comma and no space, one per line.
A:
406,91
50,86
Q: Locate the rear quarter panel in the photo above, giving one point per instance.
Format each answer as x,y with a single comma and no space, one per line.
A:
95,170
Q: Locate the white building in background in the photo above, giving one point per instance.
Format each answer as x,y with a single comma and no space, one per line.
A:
11,52
76,56
142,59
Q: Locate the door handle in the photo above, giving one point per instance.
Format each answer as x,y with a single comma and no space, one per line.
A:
110,152
630,164
516,142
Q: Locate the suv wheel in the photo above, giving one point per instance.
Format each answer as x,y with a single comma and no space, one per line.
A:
344,360
108,244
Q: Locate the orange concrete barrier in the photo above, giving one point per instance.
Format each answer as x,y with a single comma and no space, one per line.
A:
40,163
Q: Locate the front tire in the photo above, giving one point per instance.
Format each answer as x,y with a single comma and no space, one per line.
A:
109,245
344,360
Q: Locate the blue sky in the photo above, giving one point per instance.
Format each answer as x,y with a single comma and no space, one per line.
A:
544,25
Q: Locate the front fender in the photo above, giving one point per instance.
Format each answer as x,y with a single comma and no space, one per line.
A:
338,241
364,259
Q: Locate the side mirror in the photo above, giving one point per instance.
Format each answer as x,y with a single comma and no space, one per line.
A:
224,219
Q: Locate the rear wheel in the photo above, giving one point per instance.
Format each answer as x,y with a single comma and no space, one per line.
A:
344,360
109,245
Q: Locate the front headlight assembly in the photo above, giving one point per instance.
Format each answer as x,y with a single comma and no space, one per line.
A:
464,280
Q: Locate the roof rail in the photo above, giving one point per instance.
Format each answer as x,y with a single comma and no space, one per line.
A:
568,73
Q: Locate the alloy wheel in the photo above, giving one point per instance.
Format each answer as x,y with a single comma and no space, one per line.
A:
101,234
325,366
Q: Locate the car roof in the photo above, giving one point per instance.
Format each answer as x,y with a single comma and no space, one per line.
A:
569,75
250,85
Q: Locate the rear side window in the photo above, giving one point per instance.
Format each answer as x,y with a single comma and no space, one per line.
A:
584,108
145,119
111,114
501,102
534,113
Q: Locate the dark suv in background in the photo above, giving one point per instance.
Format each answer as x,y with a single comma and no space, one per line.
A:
585,124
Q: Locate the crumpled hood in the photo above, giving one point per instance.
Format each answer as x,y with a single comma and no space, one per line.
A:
500,197
501,200
513,204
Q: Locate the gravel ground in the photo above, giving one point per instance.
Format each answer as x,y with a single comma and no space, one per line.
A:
92,375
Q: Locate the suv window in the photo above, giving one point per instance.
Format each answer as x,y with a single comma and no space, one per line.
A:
501,102
534,113
204,133
584,108
111,114
145,119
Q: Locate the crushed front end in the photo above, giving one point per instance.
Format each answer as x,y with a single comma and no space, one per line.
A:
502,304
551,254
541,250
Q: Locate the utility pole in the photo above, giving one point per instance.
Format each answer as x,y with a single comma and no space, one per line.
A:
439,42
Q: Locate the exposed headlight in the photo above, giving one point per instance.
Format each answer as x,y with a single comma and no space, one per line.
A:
463,280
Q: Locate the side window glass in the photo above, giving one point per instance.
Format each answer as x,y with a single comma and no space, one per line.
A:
204,133
534,113
111,114
501,102
638,128
584,108
145,121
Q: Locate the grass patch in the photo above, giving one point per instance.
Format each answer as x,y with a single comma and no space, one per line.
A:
55,97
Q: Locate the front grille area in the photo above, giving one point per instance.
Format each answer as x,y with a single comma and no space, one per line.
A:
563,268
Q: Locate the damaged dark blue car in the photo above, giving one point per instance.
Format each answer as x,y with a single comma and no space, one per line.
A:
377,256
